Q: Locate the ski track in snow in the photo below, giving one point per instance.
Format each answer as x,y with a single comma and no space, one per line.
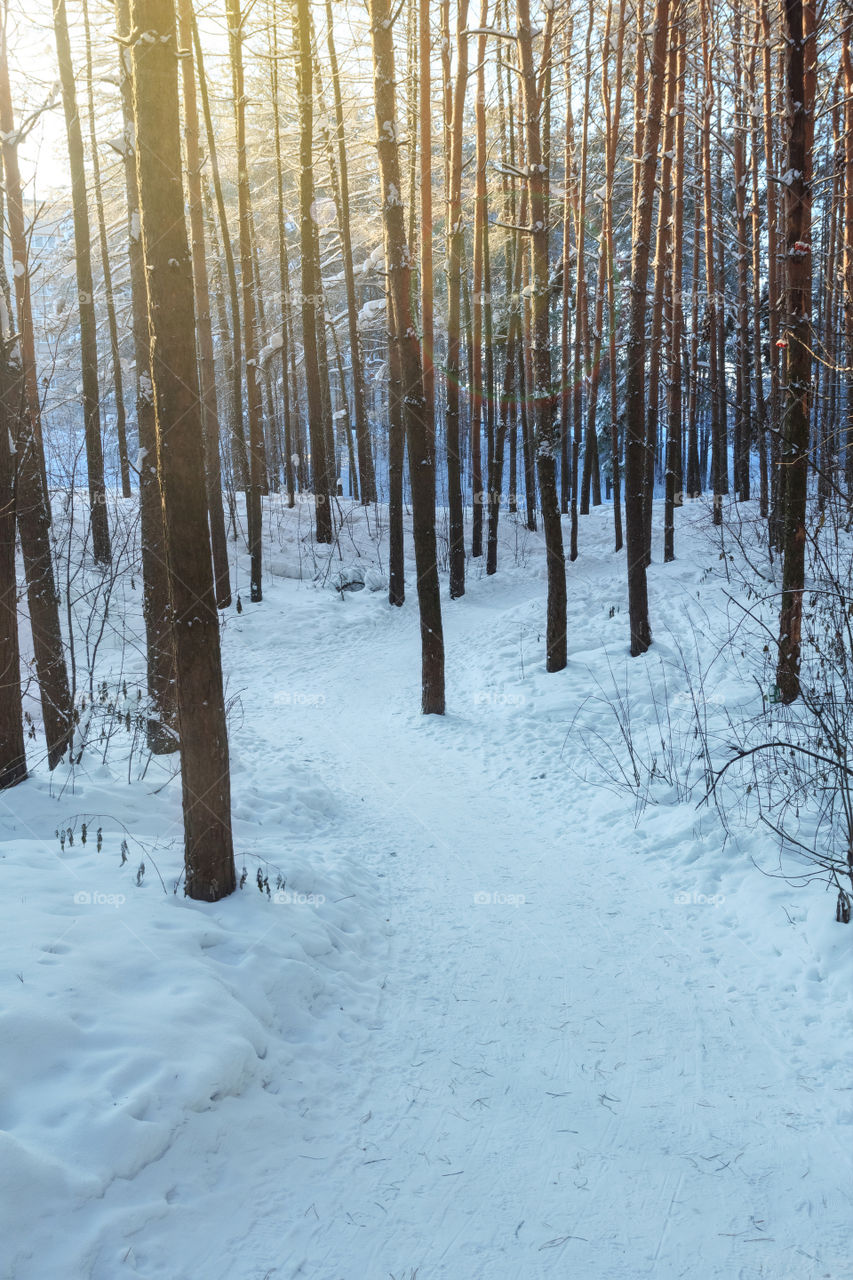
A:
575,1077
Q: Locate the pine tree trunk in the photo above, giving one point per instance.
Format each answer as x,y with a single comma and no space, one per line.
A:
239,447
580,497
847,65
675,325
401,331
694,472
162,716
713,322
455,246
773,272
283,265
508,400
19,249
312,299
800,58
757,356
101,548
207,371
426,263
613,115
570,201
743,409
109,300
480,396
366,474
544,407
31,505
208,849
257,457
396,462
635,418
13,759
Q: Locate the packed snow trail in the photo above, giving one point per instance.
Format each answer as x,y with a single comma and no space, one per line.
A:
535,1040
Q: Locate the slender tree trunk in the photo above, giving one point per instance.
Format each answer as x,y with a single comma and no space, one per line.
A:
162,716
773,274
208,850
455,246
508,400
694,473
283,264
544,406
239,449
676,310
847,66
31,507
612,115
717,433
426,263
401,328
13,759
207,371
743,411
85,292
635,424
757,357
366,476
257,459
109,300
312,299
581,362
396,462
659,300
800,43
480,396
570,201
19,249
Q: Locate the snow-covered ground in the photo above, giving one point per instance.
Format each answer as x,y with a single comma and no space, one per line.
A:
486,1016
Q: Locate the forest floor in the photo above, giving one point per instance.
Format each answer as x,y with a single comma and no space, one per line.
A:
495,1019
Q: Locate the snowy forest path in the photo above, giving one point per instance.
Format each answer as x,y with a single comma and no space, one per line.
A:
542,992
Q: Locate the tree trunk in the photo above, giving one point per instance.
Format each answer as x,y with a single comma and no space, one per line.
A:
109,300
718,442
239,449
421,445
208,849
612,116
257,458
635,418
455,245
800,59
661,295
366,475
85,292
312,299
481,390
207,372
847,64
162,715
283,265
544,406
31,507
396,462
13,759
675,318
